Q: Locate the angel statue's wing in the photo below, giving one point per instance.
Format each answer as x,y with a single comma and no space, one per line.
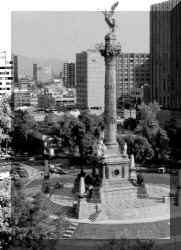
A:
113,7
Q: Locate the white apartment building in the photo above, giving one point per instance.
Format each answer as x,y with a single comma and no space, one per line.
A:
90,78
6,69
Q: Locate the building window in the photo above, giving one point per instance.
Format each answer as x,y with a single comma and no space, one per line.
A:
164,85
164,100
106,172
123,172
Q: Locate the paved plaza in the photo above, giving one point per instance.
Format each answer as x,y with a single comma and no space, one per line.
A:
113,224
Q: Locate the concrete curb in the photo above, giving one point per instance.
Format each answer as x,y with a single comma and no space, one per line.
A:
129,221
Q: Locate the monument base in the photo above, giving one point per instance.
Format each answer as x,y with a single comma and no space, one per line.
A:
86,209
116,170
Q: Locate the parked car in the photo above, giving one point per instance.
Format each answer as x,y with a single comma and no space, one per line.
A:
57,169
4,175
172,171
162,170
19,170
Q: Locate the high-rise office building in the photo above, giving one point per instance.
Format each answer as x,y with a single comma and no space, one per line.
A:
165,48
133,71
90,79
15,69
69,74
35,73
44,74
176,57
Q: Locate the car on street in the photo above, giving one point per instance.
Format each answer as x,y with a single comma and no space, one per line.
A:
162,170
19,171
57,169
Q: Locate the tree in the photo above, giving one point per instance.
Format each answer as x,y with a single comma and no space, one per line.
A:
23,126
5,122
71,131
149,128
29,222
126,244
142,150
173,128
93,123
130,123
137,145
5,213
80,133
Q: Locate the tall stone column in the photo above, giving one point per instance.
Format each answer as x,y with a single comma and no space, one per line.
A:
115,165
110,51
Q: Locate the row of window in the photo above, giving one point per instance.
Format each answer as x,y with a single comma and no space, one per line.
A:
5,89
4,73
6,78
7,83
129,79
6,67
132,75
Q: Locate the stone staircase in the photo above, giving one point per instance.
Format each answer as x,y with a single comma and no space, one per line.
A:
70,230
133,202
113,185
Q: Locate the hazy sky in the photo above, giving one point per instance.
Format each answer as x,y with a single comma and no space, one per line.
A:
62,34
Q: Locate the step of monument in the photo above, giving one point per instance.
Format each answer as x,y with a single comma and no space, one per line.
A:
74,224
72,227
67,236
117,184
70,231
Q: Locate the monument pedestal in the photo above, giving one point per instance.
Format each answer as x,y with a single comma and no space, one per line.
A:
115,169
86,209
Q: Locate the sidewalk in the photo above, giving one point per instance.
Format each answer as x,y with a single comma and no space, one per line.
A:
176,214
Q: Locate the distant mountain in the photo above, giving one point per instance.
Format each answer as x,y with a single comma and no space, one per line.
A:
25,64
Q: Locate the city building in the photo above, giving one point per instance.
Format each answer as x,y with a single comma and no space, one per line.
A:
46,100
58,81
24,95
69,98
69,74
133,72
147,93
44,74
56,90
15,69
6,68
34,100
62,95
26,82
90,80
35,73
165,48
21,97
